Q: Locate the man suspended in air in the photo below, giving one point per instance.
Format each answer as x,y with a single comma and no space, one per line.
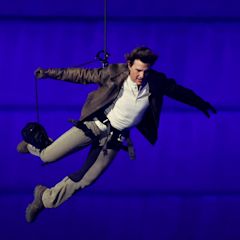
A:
129,95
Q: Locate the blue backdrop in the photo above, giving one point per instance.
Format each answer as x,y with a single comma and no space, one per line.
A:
187,186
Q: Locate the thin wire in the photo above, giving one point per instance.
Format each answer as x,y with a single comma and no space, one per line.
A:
86,63
36,100
105,26
81,65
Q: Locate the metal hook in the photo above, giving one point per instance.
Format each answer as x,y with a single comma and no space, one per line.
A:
103,56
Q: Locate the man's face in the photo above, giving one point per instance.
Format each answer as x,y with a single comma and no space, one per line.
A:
138,71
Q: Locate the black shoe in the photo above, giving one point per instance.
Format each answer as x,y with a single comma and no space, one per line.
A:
22,147
36,206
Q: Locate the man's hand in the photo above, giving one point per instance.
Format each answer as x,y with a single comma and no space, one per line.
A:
208,107
40,73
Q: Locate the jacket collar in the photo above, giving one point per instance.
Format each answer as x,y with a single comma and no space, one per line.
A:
121,74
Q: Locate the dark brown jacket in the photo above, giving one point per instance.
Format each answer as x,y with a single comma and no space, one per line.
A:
110,80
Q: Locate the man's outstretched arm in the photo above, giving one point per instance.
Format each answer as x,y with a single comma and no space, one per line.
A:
74,75
189,97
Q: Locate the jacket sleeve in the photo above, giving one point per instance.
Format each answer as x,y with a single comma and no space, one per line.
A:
187,96
75,75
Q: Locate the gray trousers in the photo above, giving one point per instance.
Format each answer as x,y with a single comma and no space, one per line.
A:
73,140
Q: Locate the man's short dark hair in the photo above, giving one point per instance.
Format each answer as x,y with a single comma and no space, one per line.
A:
144,54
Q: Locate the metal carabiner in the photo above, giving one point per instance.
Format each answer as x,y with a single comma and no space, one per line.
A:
103,56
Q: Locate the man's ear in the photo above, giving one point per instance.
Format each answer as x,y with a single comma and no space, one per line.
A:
129,65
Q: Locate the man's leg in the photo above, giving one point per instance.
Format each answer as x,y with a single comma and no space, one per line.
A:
72,140
53,197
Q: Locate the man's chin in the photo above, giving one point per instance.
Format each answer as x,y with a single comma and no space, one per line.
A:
139,82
